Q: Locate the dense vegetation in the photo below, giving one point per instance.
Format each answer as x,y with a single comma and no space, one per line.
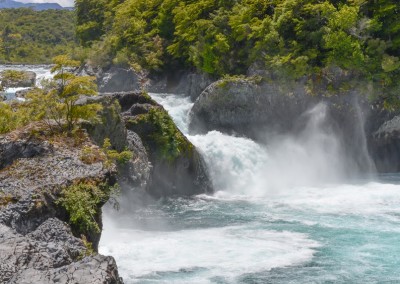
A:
291,37
28,36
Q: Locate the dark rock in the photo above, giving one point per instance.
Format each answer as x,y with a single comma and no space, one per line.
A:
179,170
30,259
385,146
110,126
57,232
87,70
2,97
36,245
188,84
118,80
247,107
136,174
11,150
197,83
25,79
137,109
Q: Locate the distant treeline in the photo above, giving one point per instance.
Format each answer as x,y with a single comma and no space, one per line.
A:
32,37
294,37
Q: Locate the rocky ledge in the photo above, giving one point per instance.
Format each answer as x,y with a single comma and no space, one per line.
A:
38,241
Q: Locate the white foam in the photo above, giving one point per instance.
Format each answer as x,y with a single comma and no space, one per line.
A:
177,106
234,162
227,252
367,199
43,72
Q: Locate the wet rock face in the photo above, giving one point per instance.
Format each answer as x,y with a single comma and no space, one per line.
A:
385,146
36,246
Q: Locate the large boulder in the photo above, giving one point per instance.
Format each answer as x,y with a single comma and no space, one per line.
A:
177,168
15,79
248,106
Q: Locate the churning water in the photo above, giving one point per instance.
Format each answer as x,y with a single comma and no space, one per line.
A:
284,213
42,73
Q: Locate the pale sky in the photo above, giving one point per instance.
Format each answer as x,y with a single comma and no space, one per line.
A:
65,3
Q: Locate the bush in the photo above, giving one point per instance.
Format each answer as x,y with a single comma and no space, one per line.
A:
83,201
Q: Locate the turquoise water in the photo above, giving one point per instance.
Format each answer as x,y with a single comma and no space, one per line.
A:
288,212
305,238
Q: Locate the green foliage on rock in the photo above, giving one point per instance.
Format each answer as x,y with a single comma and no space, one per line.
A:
35,37
113,156
158,131
83,201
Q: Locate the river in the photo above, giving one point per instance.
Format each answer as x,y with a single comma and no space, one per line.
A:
43,72
283,213
288,212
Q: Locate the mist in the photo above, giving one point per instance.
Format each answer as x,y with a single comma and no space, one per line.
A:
314,154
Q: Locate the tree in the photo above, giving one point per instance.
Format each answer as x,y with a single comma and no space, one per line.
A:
58,100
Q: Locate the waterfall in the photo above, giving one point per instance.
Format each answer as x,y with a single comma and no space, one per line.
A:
284,212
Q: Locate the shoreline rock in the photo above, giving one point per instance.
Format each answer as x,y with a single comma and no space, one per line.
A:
37,244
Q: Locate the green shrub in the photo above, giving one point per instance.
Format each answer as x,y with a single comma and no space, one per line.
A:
82,201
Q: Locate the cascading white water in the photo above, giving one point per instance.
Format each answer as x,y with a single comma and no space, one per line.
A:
42,73
281,215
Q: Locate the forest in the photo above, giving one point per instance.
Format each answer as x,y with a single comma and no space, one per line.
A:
35,37
291,37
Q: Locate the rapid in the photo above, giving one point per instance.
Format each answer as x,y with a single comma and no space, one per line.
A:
293,211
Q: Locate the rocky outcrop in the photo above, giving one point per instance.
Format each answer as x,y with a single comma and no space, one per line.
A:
14,79
176,167
165,163
135,174
51,254
118,80
37,245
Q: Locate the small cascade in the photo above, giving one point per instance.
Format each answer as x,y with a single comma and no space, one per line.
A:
43,72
